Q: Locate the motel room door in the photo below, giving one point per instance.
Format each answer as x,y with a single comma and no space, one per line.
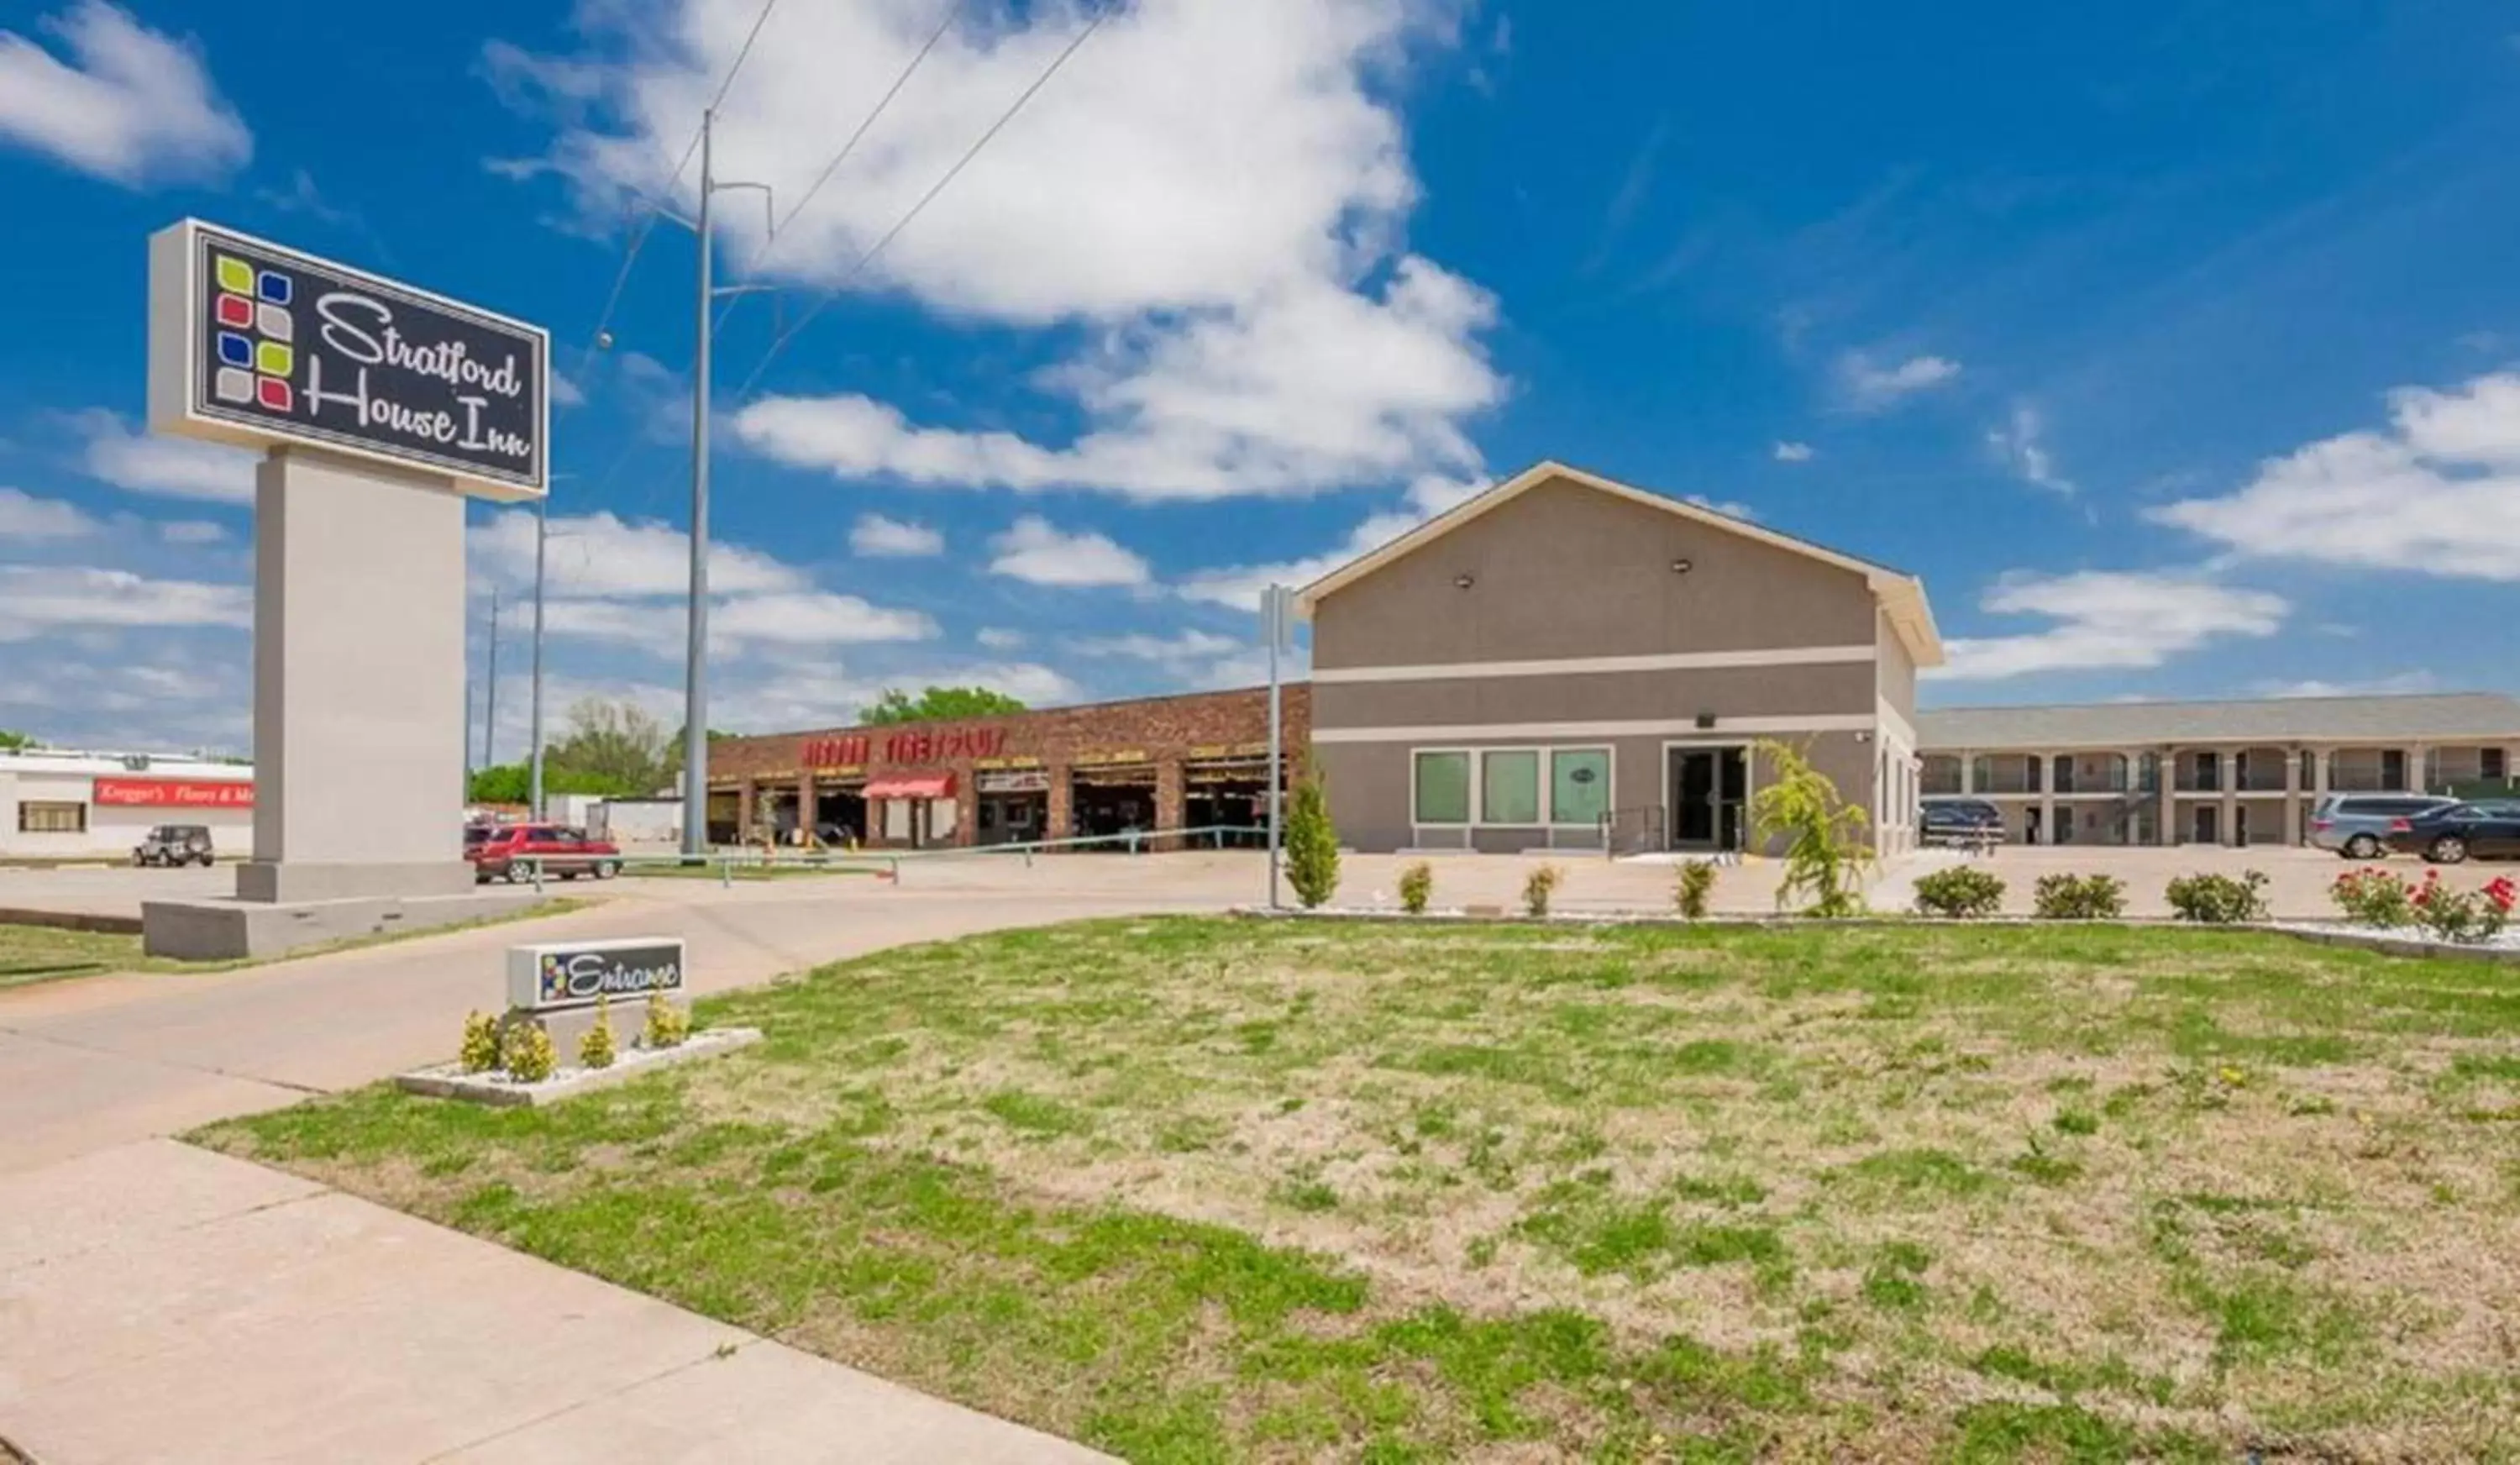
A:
1709,791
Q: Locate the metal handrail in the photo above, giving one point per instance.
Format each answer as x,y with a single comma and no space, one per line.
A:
888,862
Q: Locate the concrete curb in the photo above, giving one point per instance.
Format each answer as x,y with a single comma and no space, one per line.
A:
2398,946
447,1081
69,920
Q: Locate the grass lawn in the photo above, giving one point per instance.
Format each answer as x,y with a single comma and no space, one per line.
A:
47,953
1198,1189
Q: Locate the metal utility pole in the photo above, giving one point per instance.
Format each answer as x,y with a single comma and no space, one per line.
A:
491,692
696,656
1275,602
534,718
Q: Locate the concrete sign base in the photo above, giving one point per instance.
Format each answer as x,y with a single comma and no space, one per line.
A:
237,930
358,706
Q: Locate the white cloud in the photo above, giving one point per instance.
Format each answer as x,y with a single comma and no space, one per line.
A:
1792,451
2401,683
822,693
39,599
175,468
22,516
600,554
1039,552
1730,507
1215,197
2018,445
1000,638
2437,492
736,625
566,393
879,537
191,532
1191,644
1871,386
2106,619
128,105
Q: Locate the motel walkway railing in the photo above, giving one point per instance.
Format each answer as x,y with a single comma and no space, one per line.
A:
729,864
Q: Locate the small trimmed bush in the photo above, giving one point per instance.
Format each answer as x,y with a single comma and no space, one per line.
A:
480,1050
595,1050
1538,890
2468,918
667,1024
1961,893
2219,900
2375,897
1695,888
1311,845
527,1054
1417,887
2063,897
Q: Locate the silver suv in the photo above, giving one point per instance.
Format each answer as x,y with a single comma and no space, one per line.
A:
2355,825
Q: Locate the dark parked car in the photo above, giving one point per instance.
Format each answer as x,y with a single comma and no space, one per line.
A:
2357,825
512,852
1943,820
173,845
2460,831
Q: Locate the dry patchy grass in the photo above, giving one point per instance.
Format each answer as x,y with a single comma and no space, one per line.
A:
1201,1190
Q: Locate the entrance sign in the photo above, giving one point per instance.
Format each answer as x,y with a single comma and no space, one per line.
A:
171,793
254,344
555,976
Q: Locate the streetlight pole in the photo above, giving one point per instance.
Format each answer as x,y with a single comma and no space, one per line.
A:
1273,627
535,720
696,655
491,692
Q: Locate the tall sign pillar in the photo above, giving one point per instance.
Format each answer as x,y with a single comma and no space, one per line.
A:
380,408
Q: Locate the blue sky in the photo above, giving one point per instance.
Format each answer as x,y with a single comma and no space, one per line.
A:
2175,345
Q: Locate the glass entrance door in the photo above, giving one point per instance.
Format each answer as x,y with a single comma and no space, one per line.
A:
1710,790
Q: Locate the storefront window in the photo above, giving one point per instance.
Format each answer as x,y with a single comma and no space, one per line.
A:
1579,786
1510,788
52,819
1443,789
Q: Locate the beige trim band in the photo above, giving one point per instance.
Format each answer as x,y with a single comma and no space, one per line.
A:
1577,666
1725,730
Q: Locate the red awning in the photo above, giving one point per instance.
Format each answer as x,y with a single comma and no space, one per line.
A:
911,786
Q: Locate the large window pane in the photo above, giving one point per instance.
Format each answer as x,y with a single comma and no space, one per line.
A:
1443,789
1510,788
1579,786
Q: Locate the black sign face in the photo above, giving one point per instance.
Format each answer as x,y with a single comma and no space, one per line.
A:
575,979
294,346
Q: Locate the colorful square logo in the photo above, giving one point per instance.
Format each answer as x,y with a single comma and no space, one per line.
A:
234,276
274,393
236,311
273,359
233,385
276,322
235,349
273,286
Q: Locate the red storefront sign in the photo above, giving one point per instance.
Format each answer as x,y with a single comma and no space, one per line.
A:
172,793
911,745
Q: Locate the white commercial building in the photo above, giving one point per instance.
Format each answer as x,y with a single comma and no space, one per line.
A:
58,804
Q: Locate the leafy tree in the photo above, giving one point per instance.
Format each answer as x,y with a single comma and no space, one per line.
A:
16,742
611,747
674,751
1827,852
1312,845
938,704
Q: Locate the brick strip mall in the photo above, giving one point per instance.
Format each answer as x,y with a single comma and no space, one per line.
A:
1153,765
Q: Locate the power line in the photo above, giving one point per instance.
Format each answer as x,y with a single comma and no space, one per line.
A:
648,221
831,292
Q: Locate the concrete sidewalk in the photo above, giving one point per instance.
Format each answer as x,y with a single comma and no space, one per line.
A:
158,1303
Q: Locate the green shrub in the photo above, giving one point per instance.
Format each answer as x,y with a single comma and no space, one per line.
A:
1312,845
1961,892
667,1024
2063,897
1826,851
1695,888
1538,888
595,1050
480,1050
527,1054
2219,900
2375,897
1416,885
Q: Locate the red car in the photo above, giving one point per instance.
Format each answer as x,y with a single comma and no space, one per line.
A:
512,852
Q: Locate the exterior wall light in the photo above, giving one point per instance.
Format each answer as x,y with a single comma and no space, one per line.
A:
1464,580
1680,567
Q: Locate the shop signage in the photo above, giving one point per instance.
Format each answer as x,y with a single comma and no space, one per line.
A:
255,344
171,793
1005,762
1212,751
835,752
908,745
1099,760
558,975
1015,780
